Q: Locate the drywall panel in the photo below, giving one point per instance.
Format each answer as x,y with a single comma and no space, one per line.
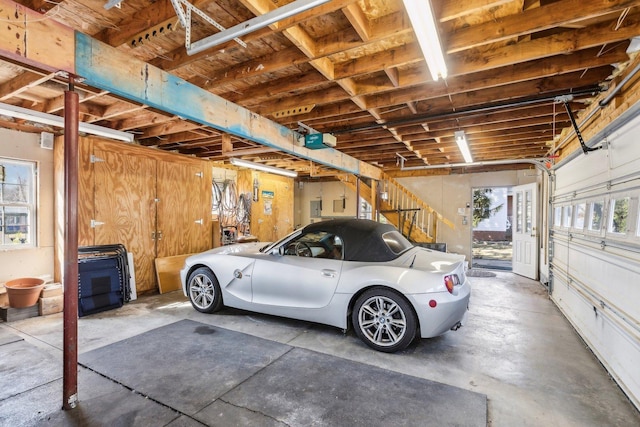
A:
39,260
447,193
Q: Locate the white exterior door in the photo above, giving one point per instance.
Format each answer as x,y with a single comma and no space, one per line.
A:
525,230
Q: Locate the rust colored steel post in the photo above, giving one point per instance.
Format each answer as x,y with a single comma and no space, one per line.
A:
70,316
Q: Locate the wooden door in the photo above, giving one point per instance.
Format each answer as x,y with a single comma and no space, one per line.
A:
184,208
125,212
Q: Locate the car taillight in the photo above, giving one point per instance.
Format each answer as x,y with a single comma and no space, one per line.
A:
450,281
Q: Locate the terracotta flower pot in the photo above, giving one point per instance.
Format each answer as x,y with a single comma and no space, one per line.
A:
24,292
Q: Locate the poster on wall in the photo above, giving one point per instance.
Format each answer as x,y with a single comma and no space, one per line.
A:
267,196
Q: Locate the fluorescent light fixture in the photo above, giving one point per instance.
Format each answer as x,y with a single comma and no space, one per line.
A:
461,140
264,168
254,24
426,31
58,121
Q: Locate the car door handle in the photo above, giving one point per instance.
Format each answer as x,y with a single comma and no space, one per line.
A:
329,273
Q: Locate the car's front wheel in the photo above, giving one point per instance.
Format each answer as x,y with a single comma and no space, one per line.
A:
204,291
384,320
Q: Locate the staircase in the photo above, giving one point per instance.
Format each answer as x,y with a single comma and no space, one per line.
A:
413,217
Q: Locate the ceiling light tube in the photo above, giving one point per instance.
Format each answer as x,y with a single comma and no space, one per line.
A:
254,24
58,121
461,140
264,168
426,31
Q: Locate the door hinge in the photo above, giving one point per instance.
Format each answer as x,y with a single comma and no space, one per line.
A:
156,235
95,159
95,223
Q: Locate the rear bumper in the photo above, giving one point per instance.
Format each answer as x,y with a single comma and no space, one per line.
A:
450,310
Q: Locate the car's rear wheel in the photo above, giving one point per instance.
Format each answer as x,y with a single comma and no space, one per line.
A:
204,291
384,320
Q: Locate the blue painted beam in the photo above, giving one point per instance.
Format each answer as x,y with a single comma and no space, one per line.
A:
110,69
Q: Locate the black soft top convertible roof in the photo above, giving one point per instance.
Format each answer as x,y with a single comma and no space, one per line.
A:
362,238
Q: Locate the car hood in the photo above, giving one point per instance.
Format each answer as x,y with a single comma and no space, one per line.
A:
237,248
432,261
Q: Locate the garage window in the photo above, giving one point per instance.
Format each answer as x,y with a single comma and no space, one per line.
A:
17,203
618,215
566,217
578,220
595,216
557,216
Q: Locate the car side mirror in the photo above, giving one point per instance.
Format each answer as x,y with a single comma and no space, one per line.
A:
278,251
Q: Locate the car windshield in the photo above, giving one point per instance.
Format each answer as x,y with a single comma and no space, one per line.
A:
396,242
269,247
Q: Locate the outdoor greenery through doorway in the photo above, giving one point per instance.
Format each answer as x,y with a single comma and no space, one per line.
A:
491,228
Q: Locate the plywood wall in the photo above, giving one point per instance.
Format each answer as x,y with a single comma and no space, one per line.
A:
272,213
123,189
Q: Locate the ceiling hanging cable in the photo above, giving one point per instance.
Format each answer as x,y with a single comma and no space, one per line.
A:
465,111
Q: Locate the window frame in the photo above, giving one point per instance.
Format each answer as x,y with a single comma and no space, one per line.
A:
567,216
31,206
590,214
576,217
557,216
611,214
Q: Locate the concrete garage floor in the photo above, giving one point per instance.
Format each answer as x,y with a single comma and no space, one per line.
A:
516,349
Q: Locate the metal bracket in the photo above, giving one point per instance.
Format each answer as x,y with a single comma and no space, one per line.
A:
565,100
184,15
113,3
95,159
95,223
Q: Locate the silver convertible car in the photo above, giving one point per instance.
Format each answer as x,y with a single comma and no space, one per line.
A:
345,272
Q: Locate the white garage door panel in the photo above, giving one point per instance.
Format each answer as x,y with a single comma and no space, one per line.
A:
613,345
612,280
623,151
584,171
596,277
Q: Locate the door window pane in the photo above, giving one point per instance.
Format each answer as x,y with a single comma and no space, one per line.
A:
528,214
519,212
